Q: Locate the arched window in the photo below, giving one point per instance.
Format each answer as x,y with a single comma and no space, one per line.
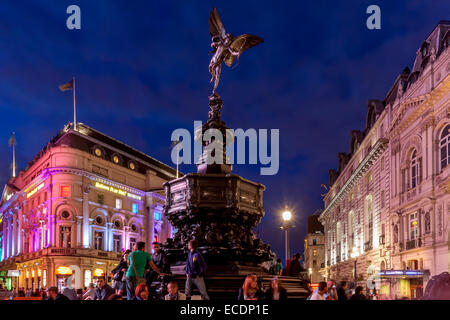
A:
444,146
414,169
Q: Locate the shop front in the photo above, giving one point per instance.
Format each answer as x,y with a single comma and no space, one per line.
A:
403,284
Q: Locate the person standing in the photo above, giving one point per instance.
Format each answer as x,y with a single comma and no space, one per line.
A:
159,258
279,267
331,293
195,271
358,295
173,293
321,291
119,274
103,290
295,267
341,292
135,273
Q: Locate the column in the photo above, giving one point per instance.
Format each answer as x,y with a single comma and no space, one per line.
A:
10,238
86,227
126,238
14,244
149,226
109,236
20,233
79,231
4,242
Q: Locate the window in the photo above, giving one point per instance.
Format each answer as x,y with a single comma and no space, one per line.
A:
65,237
116,159
132,243
98,240
132,165
134,208
314,242
65,191
118,203
117,224
157,216
382,198
414,170
100,198
99,220
413,226
314,252
314,263
382,163
98,152
117,242
87,277
134,228
65,215
444,146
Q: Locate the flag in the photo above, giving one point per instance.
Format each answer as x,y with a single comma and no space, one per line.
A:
174,143
67,86
12,140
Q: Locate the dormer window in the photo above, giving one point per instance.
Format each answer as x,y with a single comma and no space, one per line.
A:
424,51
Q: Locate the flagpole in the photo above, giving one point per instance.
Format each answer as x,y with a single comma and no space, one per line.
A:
178,152
14,156
74,107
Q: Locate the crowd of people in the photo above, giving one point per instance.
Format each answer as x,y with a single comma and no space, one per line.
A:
329,291
135,276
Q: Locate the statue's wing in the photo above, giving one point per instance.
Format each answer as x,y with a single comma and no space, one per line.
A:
240,44
215,25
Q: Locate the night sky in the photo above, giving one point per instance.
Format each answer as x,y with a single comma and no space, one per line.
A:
142,71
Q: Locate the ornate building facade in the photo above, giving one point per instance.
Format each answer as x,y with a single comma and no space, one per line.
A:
387,211
79,204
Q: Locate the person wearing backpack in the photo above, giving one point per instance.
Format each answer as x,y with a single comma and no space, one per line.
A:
135,273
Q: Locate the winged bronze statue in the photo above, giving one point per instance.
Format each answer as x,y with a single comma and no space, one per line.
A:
226,47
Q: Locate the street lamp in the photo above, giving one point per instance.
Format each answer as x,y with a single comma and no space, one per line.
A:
287,216
354,254
310,274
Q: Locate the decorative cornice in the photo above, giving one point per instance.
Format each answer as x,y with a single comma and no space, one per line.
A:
373,155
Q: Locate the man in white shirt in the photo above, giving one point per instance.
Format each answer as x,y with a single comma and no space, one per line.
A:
320,293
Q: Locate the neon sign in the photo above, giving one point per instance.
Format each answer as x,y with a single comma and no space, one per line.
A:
116,191
98,272
400,273
64,271
32,192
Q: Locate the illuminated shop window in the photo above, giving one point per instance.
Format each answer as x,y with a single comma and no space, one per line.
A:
87,277
65,191
118,203
134,208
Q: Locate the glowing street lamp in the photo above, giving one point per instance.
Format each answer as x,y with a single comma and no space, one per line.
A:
287,216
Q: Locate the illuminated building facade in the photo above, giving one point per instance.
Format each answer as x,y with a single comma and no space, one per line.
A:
314,254
79,204
388,207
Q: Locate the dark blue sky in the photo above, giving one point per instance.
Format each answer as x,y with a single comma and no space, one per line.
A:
141,69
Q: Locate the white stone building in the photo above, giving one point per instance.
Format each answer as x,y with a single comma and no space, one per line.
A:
388,207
